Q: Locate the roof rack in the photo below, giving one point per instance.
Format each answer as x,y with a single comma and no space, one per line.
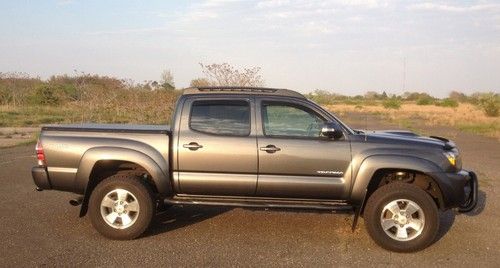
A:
243,90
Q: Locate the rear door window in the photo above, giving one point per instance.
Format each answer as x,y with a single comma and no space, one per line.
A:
221,117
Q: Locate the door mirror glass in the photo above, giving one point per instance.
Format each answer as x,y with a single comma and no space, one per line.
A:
332,130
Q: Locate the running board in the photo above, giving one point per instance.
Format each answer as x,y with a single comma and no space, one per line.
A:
258,202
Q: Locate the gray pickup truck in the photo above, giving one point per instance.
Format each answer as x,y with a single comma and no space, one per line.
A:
256,147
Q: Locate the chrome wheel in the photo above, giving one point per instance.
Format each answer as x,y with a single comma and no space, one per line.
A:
119,209
402,220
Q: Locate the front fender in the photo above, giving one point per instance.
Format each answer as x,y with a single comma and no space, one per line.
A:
371,164
157,169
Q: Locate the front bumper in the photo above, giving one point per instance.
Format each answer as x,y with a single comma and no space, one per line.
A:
41,178
471,189
459,190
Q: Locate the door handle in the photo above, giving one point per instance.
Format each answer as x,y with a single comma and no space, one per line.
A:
270,149
193,146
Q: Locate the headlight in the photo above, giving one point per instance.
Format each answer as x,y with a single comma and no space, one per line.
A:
452,157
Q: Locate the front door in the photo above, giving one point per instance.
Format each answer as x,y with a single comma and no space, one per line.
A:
217,152
295,160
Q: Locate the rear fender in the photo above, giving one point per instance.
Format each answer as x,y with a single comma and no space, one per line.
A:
157,169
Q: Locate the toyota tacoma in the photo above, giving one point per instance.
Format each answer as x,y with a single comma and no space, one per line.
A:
256,147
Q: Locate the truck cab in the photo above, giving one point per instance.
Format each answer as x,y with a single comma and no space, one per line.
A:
258,146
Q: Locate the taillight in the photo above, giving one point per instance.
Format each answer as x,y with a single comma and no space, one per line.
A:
39,154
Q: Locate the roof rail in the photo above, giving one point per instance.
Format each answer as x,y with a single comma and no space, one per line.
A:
243,90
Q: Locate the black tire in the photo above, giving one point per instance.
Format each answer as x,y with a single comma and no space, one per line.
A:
139,189
394,191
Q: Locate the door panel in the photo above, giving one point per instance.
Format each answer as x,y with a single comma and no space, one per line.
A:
302,164
303,168
217,150
300,186
218,183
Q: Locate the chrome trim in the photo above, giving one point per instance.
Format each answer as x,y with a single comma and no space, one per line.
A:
62,170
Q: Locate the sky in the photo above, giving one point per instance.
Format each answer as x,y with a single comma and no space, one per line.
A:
348,47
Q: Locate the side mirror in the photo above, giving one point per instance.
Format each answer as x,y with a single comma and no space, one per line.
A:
332,130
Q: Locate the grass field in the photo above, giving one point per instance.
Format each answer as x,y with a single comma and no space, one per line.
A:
466,117
27,102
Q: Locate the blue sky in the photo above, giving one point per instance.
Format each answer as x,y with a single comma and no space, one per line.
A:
344,46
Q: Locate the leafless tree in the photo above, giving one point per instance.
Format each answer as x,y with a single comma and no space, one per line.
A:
223,74
167,80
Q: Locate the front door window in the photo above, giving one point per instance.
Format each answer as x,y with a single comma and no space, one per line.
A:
285,120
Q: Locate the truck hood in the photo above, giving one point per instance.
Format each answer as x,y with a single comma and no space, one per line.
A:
407,138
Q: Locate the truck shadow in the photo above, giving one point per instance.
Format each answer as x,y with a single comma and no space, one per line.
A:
481,204
448,217
180,216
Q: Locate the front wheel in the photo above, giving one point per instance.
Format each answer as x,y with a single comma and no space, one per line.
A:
401,217
121,206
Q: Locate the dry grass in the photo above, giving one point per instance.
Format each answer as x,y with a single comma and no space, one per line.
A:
135,107
466,117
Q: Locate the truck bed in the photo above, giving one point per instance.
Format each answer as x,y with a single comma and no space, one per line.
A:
67,146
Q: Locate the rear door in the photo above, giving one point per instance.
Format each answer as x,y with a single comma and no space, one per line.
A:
295,160
217,150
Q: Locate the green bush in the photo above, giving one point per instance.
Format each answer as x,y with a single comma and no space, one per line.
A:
5,96
447,103
70,92
425,101
490,103
46,95
392,103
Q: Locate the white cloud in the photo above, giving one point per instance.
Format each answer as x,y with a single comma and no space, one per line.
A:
453,8
272,3
65,2
129,31
364,3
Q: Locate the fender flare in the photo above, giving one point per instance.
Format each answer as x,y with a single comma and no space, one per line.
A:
158,170
371,164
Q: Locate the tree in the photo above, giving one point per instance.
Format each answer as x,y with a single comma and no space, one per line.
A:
371,95
458,96
384,96
223,74
167,80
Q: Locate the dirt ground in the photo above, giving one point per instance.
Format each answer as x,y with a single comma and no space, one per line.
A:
40,228
10,136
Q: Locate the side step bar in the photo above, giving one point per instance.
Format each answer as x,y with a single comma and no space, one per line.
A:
262,203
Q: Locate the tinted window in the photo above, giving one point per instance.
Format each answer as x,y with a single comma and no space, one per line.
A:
221,117
291,121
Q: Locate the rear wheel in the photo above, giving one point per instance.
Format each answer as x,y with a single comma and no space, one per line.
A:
122,206
402,217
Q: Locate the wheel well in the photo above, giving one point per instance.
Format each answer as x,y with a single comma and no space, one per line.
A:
425,182
104,168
